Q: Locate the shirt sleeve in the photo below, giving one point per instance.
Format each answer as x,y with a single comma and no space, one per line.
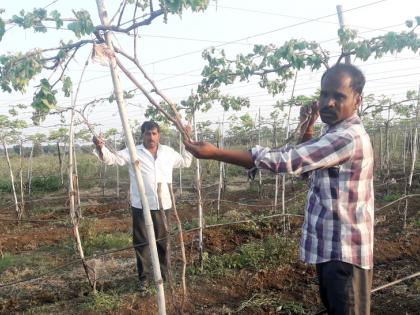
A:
184,159
331,149
119,158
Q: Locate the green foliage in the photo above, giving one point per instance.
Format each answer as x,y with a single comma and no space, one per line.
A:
269,252
377,47
35,261
32,19
5,185
102,302
391,197
108,241
44,184
10,129
56,16
176,6
126,95
17,70
275,66
83,26
44,100
153,113
94,242
6,261
281,62
67,86
61,134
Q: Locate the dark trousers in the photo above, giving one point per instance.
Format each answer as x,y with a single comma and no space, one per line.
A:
140,238
344,288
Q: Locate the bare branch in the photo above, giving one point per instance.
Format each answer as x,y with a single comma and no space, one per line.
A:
178,123
65,67
175,121
122,12
135,31
118,29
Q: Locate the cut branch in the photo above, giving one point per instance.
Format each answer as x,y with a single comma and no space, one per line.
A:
176,121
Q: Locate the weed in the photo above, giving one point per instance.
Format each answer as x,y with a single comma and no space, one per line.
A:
269,252
25,263
391,197
88,230
270,302
44,210
104,242
5,185
213,219
48,183
6,261
102,302
187,225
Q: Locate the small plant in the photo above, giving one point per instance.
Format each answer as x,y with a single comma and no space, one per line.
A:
391,197
48,183
104,242
187,225
269,252
271,304
6,261
102,302
5,186
44,210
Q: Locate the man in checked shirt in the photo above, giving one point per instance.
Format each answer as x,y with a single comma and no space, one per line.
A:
337,233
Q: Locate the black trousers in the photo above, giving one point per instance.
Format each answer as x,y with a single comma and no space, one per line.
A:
140,238
344,288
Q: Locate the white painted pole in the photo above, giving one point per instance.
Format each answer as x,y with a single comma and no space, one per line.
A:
199,201
219,192
118,90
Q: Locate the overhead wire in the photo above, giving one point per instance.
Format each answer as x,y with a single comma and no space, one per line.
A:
251,36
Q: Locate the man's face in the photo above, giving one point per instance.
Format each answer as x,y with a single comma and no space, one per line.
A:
151,138
337,101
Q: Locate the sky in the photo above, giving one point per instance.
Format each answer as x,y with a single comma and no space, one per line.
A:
171,52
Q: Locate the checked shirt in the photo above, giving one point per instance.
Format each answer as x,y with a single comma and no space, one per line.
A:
339,211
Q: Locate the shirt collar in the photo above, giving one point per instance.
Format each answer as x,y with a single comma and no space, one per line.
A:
346,123
142,147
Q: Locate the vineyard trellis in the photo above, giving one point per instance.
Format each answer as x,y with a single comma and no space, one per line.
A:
219,71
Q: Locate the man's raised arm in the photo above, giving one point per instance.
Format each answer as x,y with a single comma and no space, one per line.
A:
107,156
205,150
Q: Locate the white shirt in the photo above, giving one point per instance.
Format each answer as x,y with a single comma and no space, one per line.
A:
153,170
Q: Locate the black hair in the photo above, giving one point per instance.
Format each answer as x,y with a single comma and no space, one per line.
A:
149,125
358,79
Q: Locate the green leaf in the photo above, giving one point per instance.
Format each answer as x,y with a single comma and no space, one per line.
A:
57,18
409,23
67,86
44,100
83,26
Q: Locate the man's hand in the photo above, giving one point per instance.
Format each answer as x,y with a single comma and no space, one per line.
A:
201,150
307,117
98,142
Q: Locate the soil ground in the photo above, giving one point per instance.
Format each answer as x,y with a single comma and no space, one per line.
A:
42,250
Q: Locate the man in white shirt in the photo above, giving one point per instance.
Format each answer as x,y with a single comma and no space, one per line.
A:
157,162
